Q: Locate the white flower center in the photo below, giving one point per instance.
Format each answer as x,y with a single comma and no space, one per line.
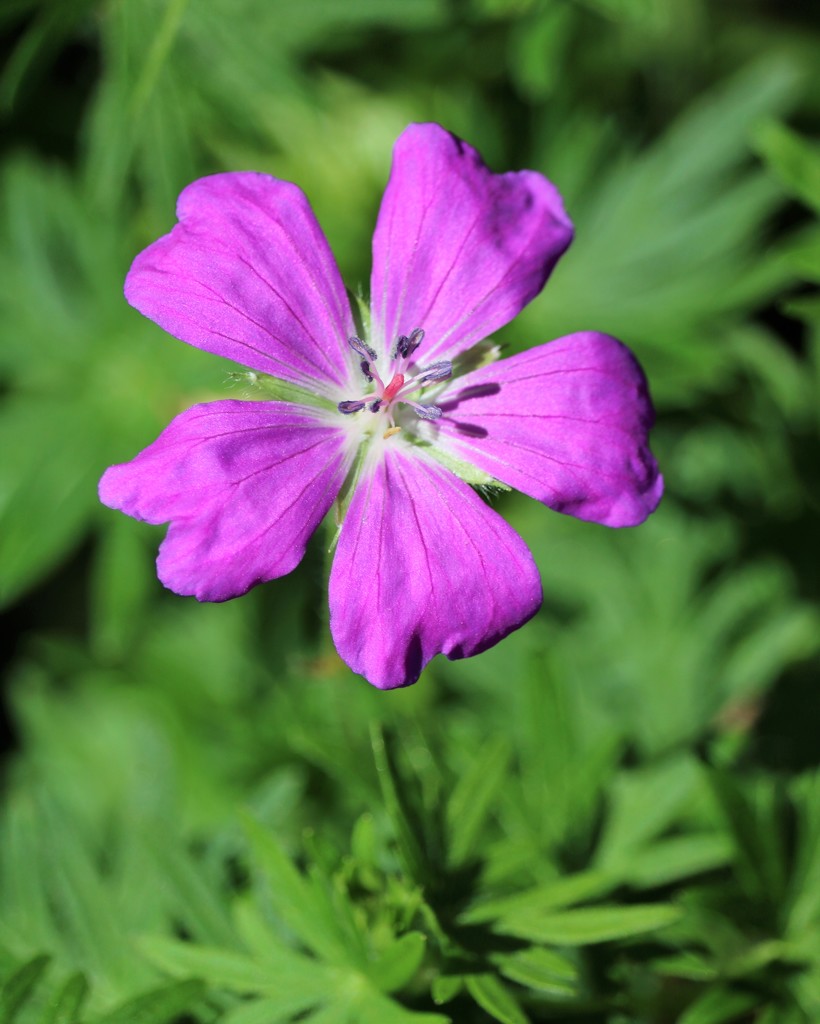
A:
402,382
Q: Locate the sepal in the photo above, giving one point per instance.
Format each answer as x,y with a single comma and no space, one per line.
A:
261,386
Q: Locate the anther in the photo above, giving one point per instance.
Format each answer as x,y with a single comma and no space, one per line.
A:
405,346
391,432
349,407
427,412
360,348
440,370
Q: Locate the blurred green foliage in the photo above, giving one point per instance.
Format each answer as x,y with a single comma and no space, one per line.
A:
613,816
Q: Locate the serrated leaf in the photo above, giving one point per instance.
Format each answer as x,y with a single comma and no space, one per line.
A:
370,1007
397,808
794,160
293,898
197,904
718,1006
292,981
589,925
47,487
259,1011
541,969
158,1006
446,987
563,892
678,857
122,581
396,967
688,965
495,998
642,804
17,988
688,254
472,798
66,1005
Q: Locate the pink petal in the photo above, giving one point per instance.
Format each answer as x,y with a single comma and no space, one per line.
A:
248,274
458,250
424,566
244,485
566,423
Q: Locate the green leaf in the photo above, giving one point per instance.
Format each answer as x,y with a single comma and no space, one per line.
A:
688,965
259,1011
47,487
397,966
158,1006
678,857
589,925
688,256
446,987
197,903
122,582
717,1006
642,804
472,798
370,1007
495,998
541,969
754,815
66,1005
415,861
17,988
563,892
294,900
294,982
794,160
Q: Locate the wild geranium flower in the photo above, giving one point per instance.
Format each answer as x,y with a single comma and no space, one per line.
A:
392,417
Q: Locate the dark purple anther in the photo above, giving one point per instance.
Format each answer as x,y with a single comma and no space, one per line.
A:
359,347
427,412
351,406
440,370
405,346
375,406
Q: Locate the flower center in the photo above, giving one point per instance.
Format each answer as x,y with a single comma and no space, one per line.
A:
403,381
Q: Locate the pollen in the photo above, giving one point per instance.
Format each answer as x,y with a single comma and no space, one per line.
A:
391,432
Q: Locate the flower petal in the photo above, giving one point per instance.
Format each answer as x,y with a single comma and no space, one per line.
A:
248,274
424,566
244,484
566,423
458,250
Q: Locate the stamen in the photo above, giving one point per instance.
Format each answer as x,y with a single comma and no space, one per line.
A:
391,432
438,371
360,348
426,412
388,396
405,346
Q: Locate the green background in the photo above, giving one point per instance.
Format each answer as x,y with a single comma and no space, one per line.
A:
614,815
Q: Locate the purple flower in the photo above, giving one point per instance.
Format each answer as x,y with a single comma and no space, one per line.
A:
379,417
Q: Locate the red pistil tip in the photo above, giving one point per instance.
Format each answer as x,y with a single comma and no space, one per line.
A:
393,388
